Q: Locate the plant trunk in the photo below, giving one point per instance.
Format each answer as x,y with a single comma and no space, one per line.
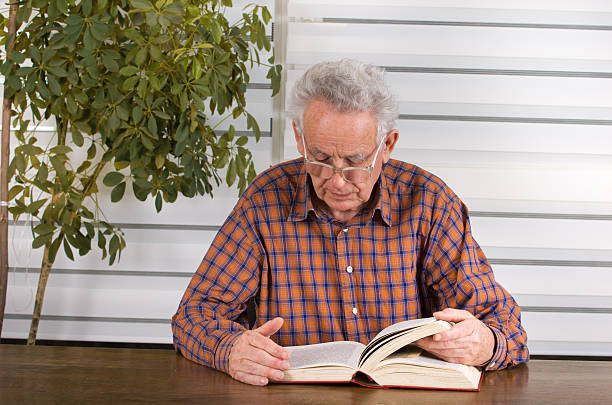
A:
6,150
45,270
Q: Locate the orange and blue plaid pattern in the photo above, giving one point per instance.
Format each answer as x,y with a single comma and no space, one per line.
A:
404,256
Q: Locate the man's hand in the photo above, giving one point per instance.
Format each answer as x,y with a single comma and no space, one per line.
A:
469,341
255,358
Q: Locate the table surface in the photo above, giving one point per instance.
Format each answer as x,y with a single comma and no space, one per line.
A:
88,375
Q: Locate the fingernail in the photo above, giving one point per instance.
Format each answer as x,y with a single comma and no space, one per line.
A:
263,381
279,375
285,365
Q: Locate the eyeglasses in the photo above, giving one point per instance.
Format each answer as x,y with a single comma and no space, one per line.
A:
349,174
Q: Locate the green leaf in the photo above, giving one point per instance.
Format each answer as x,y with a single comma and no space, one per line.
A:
62,6
14,191
17,57
43,173
265,14
41,240
242,141
128,84
215,30
34,54
44,229
141,56
114,245
155,53
72,106
129,70
112,179
137,114
152,126
60,149
159,161
158,202
99,31
230,177
54,85
91,151
68,250
141,4
54,248
88,40
77,137
117,193
110,63
252,123
101,240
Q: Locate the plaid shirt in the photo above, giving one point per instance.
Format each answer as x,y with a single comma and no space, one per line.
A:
405,256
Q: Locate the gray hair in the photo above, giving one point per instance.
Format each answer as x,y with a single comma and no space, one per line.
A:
349,86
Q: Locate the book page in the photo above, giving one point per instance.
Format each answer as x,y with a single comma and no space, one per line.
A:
388,343
416,356
407,367
402,326
341,353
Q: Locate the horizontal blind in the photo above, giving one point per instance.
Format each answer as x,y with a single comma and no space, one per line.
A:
510,103
133,300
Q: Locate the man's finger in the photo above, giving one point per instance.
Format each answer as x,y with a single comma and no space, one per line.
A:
265,351
452,315
250,378
260,369
268,345
459,330
271,327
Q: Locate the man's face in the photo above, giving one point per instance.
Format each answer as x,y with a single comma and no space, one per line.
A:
342,140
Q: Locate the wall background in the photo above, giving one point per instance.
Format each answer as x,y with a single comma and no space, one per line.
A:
509,102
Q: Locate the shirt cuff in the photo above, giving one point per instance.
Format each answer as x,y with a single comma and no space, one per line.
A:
501,347
224,349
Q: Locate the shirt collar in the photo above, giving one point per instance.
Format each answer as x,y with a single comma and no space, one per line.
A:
302,203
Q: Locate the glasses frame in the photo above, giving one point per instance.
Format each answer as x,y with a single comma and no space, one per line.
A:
342,170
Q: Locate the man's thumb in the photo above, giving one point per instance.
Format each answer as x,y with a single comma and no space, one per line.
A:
271,327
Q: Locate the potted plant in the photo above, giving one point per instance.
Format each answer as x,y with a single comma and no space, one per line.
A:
132,86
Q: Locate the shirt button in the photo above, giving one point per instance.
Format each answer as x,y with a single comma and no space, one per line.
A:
354,310
345,230
349,269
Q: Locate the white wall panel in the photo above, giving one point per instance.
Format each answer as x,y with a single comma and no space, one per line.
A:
449,40
91,330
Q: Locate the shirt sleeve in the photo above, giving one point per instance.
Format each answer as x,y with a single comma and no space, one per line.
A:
204,327
458,275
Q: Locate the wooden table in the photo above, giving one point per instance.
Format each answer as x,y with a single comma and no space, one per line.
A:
86,375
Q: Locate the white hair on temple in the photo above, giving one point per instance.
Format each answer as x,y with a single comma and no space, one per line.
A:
349,86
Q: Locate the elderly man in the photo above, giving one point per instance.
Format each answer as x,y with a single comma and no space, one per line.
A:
341,243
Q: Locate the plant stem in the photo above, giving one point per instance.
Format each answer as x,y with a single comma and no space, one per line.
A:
45,270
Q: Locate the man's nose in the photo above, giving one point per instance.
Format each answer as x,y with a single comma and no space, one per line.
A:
336,179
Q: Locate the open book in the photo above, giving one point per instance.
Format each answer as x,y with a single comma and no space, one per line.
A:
389,360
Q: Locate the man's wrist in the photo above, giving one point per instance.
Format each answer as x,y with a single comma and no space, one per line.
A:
486,363
224,349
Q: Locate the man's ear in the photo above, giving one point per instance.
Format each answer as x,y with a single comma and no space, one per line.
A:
390,142
298,138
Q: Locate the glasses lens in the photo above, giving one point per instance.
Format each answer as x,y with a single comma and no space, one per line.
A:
321,171
357,175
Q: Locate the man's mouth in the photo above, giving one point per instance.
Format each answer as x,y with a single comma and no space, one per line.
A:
340,196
